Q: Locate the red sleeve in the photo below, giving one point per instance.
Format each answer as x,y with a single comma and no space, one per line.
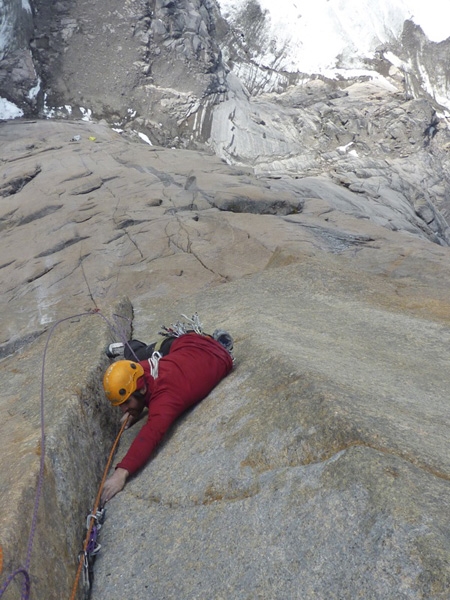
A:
193,368
160,417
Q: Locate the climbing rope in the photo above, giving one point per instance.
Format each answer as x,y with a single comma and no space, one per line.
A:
94,522
24,570
96,516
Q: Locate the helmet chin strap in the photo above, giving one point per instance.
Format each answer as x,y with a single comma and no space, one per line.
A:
140,392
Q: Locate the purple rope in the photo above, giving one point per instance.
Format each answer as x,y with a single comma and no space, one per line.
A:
92,540
26,584
25,570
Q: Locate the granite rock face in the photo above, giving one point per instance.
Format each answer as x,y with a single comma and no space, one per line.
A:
184,77
50,476
317,234
318,468
165,67
363,137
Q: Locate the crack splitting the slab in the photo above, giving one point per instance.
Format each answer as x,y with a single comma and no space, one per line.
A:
123,226
133,242
188,249
91,296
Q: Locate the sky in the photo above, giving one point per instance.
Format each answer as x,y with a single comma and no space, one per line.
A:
319,30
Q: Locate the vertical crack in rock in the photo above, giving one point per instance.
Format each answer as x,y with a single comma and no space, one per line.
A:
135,244
124,223
90,294
187,247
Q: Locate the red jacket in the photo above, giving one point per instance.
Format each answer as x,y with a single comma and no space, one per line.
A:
194,366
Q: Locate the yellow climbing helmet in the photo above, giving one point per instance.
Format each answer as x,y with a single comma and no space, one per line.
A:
120,380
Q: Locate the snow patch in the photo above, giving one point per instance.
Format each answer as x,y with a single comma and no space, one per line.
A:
87,114
144,138
49,112
34,91
8,110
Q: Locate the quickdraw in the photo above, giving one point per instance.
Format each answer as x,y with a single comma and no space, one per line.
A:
24,570
180,328
94,523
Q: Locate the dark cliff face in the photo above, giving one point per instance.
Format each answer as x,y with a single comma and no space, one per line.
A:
165,64
158,62
183,76
428,63
18,75
16,26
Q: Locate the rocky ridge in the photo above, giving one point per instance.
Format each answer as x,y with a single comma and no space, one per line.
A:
317,234
327,445
165,67
184,77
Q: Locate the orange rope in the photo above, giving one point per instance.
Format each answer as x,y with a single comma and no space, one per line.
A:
94,510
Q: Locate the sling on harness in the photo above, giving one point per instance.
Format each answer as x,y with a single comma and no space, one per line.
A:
137,350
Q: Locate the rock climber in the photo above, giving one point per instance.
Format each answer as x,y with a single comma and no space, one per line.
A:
168,385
